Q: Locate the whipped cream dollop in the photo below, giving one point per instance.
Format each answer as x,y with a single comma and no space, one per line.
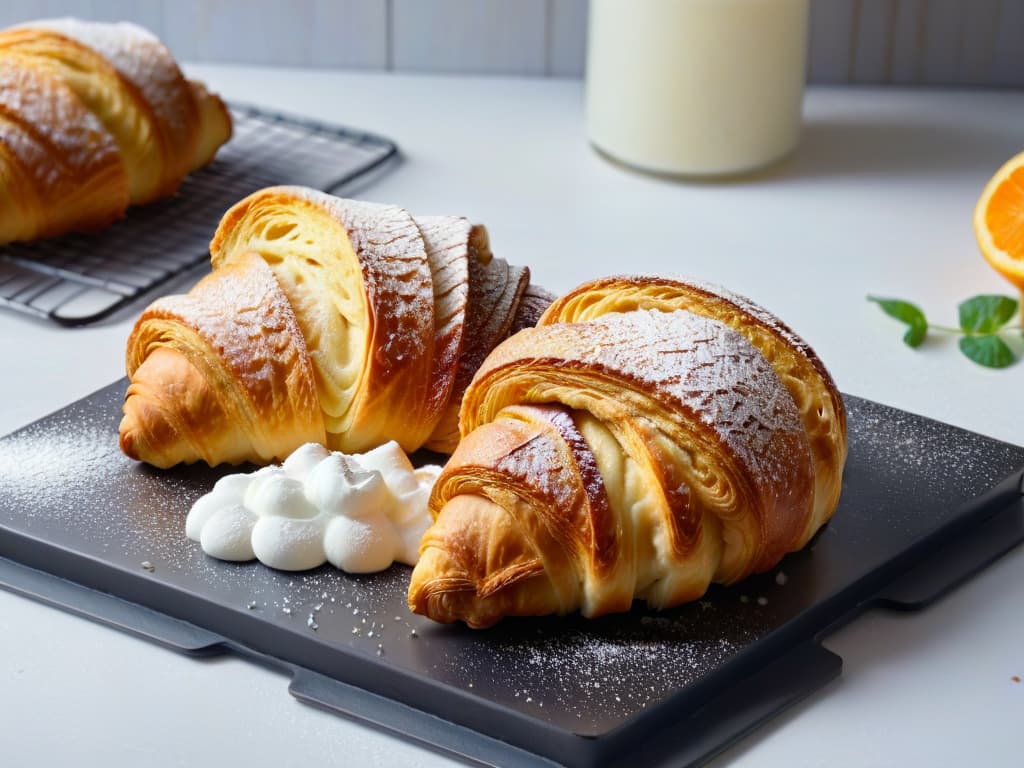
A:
359,512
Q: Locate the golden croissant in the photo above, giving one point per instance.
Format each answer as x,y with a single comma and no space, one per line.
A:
94,117
324,320
649,437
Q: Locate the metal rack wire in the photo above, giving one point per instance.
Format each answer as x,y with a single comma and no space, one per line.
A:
79,279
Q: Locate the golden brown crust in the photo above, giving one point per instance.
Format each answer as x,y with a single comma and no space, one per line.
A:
173,414
448,241
60,165
481,584
358,275
690,378
380,302
701,451
150,69
220,375
798,367
532,307
496,289
535,476
215,124
73,87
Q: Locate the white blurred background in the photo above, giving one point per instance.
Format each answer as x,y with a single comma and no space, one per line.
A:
909,42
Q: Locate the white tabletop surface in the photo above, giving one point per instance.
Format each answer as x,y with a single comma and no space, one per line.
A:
877,200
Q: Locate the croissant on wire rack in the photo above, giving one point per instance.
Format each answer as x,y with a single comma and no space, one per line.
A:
324,320
94,117
647,438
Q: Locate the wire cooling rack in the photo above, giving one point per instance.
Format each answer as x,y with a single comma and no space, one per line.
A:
79,279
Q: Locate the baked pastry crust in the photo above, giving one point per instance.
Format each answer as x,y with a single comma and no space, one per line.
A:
628,448
390,313
95,117
794,361
221,374
495,292
358,277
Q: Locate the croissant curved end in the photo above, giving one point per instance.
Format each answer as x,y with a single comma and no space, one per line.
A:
697,421
460,577
171,415
444,600
97,117
144,427
215,124
146,433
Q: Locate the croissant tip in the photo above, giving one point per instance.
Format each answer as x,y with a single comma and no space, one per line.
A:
127,435
132,437
126,442
448,603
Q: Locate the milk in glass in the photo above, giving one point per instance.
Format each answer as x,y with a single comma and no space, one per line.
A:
696,87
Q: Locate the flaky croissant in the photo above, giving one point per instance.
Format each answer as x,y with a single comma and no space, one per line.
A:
94,117
324,320
648,438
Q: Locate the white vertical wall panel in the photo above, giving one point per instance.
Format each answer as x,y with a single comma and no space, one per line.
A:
469,36
978,41
831,31
243,31
350,33
147,13
944,27
937,42
16,11
871,42
911,42
567,37
1008,49
908,35
184,23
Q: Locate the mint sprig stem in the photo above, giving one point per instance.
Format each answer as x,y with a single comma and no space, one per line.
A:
983,321
962,332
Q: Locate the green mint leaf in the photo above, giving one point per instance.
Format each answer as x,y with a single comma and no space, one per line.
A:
907,313
986,313
915,335
989,351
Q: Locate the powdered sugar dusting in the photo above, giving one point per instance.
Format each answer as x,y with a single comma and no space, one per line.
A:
537,466
145,63
241,313
495,289
64,483
552,463
600,525
447,244
590,676
766,318
396,275
586,466
109,39
700,364
71,158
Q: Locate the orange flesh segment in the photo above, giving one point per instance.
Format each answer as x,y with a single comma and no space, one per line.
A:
1004,216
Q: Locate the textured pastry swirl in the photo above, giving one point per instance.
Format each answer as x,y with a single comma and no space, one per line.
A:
324,320
648,438
94,117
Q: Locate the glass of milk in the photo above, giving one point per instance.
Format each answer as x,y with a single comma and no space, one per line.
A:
696,87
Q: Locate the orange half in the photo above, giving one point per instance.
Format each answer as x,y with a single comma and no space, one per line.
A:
999,221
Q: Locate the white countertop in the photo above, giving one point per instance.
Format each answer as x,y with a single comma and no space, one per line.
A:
878,199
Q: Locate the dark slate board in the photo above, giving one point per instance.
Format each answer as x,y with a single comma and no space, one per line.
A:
924,504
